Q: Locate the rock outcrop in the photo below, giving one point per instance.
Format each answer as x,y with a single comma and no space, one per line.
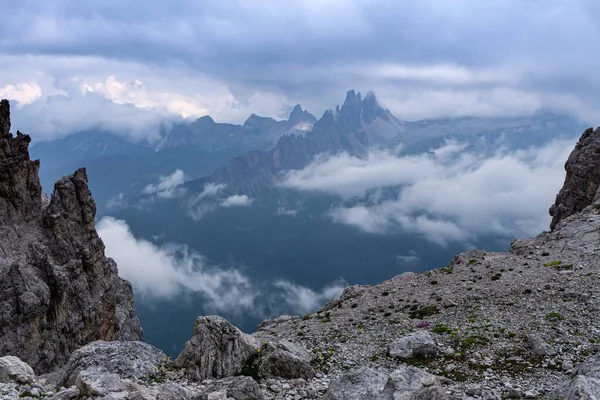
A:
583,178
411,383
58,290
418,344
13,369
217,349
358,384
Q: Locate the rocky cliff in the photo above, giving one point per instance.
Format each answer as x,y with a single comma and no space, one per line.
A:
58,291
519,324
583,178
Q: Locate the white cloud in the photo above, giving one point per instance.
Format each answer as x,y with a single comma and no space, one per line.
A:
446,194
306,300
409,258
59,95
166,271
236,201
210,199
117,201
210,190
24,93
287,212
168,186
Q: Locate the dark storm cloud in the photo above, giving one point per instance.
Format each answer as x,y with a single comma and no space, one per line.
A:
436,53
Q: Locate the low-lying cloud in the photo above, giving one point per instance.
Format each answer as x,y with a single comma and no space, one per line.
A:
306,300
168,186
166,271
236,201
448,194
211,198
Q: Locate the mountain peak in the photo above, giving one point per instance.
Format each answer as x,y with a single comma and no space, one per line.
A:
352,98
299,115
296,114
207,119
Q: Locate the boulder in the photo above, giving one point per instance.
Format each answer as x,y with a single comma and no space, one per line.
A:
70,393
584,385
539,346
134,360
357,384
98,382
418,344
411,383
284,359
12,369
217,349
236,387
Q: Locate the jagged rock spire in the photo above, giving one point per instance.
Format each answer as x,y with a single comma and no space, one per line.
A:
583,178
4,118
58,290
20,189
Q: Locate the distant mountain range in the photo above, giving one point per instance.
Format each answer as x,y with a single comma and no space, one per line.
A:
248,157
362,124
117,165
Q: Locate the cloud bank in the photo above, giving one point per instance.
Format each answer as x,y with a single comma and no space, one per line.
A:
109,64
167,271
447,194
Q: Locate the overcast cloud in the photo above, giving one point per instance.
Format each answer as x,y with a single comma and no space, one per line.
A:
129,66
448,194
164,272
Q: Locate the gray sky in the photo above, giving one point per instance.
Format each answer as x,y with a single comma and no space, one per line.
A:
130,64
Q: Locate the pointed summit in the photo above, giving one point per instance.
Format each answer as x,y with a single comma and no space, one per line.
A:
352,99
4,118
299,115
207,119
251,119
372,109
296,113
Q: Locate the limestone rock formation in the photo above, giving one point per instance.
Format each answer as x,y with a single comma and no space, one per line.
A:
411,383
585,384
58,290
418,344
583,178
357,384
217,349
236,387
283,359
127,359
13,369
